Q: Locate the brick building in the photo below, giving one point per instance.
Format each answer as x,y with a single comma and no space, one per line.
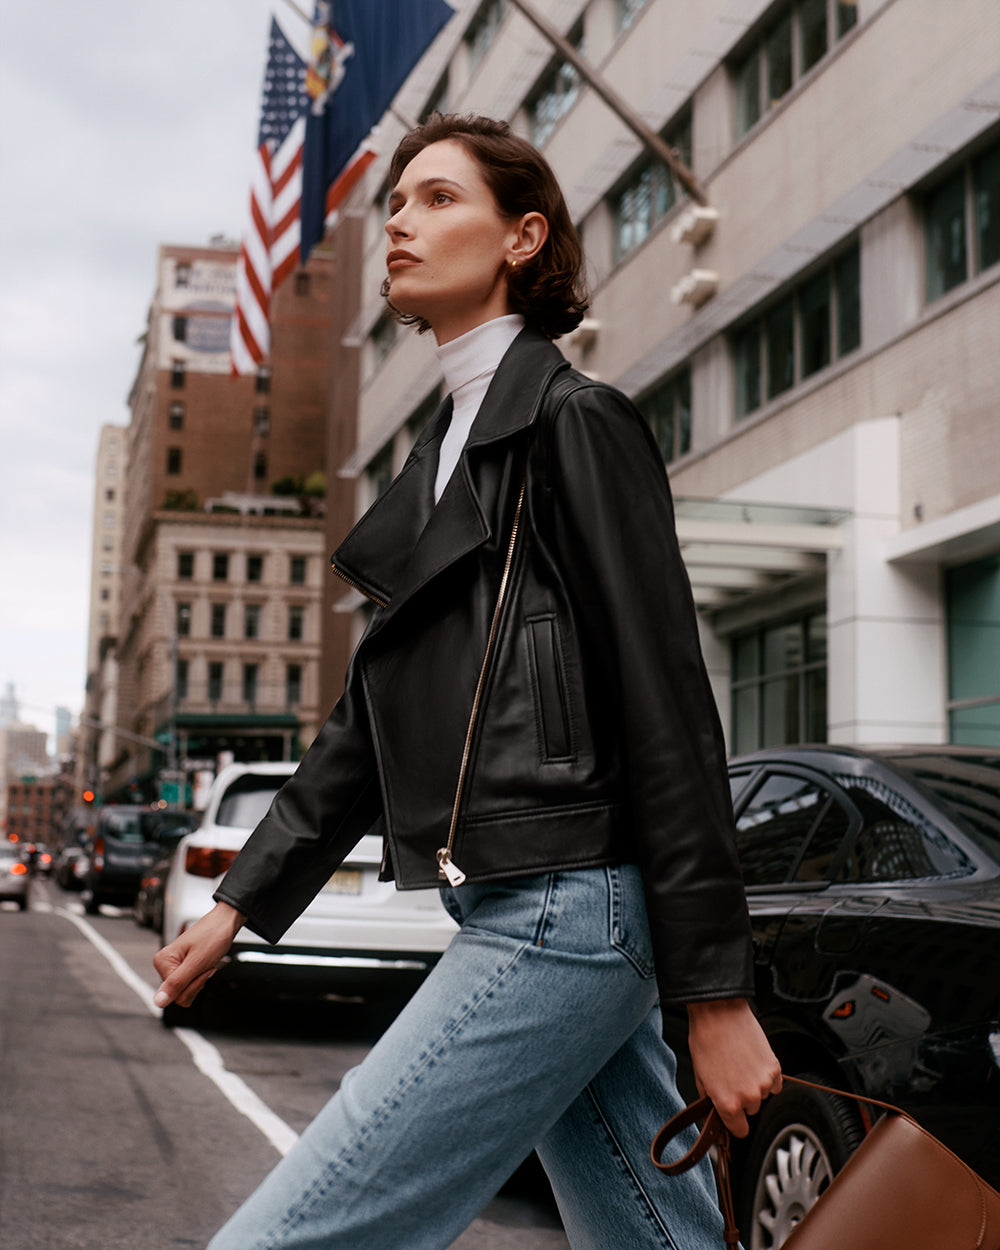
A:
37,808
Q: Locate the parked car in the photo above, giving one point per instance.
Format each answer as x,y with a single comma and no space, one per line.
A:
124,845
14,876
147,910
873,879
70,869
357,933
38,858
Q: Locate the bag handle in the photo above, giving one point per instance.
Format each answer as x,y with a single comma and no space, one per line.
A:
714,1133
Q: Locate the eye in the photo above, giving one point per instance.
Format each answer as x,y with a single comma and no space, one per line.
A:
441,197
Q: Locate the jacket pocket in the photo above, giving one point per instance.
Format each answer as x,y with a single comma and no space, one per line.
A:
548,680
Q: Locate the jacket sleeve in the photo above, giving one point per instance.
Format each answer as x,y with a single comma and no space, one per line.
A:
615,525
330,801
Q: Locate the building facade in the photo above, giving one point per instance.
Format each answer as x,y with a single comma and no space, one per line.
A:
815,345
218,637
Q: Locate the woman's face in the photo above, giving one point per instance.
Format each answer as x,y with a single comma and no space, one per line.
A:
449,249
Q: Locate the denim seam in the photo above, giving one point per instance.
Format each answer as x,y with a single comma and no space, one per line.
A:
548,907
637,1186
336,1166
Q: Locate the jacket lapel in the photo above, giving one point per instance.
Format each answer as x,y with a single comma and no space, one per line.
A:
403,541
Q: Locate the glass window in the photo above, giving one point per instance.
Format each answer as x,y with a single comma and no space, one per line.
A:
297,570
746,350
986,191
944,212
218,628
778,53
667,408
649,193
255,568
174,460
185,565
819,853
182,274
847,279
847,16
812,32
482,30
216,674
895,842
177,375
779,333
180,329
747,81
251,620
972,596
779,677
774,826
293,684
260,466
555,95
220,566
626,11
296,622
261,420
814,310
250,673
181,679
176,415
182,619
263,383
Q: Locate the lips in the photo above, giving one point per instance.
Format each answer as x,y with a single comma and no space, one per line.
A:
398,259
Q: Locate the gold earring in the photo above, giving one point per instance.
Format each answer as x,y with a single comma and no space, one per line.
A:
513,264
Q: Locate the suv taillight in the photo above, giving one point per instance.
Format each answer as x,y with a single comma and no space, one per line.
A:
208,861
97,858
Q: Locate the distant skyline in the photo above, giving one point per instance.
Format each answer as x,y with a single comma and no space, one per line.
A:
128,126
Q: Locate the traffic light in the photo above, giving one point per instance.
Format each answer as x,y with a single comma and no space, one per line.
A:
88,796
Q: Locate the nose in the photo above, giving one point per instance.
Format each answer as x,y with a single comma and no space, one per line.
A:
396,227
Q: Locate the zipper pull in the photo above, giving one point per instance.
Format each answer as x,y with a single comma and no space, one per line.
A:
447,869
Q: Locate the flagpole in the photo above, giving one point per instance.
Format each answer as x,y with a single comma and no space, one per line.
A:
301,12
613,100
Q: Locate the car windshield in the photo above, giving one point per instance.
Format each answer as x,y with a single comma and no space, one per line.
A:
966,786
246,801
122,825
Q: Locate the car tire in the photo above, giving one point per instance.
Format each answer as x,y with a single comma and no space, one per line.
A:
92,905
801,1140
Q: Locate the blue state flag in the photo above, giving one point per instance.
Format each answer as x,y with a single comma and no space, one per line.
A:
376,43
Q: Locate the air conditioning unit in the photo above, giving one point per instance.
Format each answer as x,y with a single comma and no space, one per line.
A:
696,287
585,334
695,225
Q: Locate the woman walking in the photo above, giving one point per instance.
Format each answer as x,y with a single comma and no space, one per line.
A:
528,722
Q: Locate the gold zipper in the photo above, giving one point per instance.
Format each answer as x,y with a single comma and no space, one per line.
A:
382,603
448,870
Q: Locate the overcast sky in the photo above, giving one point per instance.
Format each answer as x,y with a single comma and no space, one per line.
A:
126,124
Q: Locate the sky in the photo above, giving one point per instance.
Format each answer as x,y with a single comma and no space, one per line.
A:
127,124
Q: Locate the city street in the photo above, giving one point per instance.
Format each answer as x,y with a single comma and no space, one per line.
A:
118,1133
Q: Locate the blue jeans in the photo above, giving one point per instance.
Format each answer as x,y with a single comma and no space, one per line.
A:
537,1028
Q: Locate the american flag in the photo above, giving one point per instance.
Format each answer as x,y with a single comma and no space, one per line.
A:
270,249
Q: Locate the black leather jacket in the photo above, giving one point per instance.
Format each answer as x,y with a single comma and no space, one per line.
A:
596,738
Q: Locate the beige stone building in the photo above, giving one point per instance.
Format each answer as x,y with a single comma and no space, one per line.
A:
817,347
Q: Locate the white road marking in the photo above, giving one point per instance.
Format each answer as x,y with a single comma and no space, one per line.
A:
207,1058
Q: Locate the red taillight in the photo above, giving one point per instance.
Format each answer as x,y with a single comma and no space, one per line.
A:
18,870
97,859
208,861
46,858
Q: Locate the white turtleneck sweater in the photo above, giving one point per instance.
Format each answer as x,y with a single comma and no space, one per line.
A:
469,363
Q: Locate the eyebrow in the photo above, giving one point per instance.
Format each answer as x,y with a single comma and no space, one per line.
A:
425,185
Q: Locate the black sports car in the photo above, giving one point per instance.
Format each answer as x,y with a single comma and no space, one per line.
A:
873,878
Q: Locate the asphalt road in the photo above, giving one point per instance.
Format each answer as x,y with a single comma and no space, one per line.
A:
118,1133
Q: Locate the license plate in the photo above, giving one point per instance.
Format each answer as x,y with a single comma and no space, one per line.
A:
344,881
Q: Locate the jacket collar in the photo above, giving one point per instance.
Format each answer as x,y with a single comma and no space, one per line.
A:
403,540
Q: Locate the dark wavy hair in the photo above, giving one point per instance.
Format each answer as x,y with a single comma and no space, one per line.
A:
550,290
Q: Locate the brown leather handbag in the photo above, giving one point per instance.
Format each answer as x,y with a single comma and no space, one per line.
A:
900,1190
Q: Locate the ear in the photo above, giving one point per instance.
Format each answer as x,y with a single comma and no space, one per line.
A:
530,234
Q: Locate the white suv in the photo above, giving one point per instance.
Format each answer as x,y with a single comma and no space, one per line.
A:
357,931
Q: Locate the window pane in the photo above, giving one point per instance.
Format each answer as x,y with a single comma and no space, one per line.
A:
944,228
781,712
847,279
783,647
986,184
778,48
747,77
684,412
779,330
816,714
814,306
746,350
894,843
745,721
773,826
812,27
745,657
816,639
847,16
822,847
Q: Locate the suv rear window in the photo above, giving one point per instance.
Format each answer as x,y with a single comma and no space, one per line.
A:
246,801
122,825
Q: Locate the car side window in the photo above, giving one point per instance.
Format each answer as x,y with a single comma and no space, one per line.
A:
737,784
775,825
895,843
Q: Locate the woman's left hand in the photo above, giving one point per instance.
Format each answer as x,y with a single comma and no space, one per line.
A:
733,1063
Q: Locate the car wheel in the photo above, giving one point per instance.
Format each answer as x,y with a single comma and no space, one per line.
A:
92,905
801,1140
